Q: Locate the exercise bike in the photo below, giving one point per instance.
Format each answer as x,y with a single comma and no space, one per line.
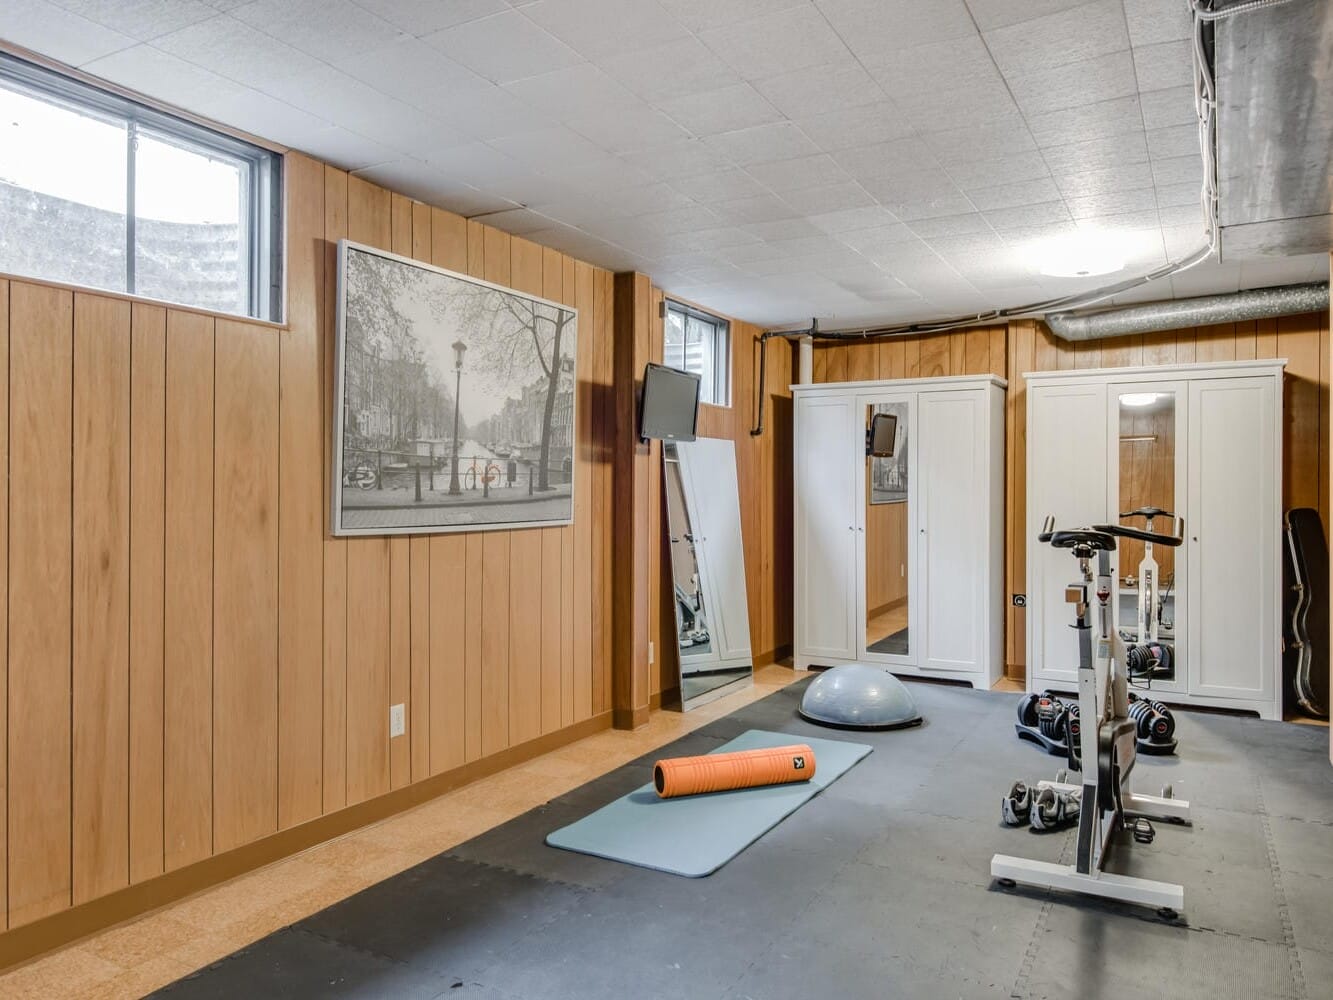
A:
1103,745
1152,657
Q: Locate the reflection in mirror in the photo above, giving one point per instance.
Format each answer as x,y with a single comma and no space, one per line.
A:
707,568
1146,607
886,535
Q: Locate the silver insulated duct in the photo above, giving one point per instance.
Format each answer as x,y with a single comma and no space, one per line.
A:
1257,303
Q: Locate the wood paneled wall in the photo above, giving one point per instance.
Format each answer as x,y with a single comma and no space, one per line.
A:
763,470
1026,346
193,662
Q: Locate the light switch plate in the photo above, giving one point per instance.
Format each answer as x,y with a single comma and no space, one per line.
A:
397,720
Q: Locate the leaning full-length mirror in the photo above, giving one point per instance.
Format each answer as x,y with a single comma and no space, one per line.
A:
1147,499
886,529
707,568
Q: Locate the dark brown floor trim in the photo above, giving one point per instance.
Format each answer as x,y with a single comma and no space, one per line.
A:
32,940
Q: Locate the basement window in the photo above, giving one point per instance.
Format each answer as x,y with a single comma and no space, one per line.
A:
697,342
100,191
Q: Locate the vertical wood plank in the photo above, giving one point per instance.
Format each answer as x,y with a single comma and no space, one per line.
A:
419,716
449,241
187,794
557,576
302,496
586,410
1298,342
448,624
400,569
473,664
40,384
525,635
148,396
1159,348
495,628
957,359
862,363
245,585
935,357
4,602
1245,341
101,530
335,549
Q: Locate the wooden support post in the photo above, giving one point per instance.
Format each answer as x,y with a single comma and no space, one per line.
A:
633,480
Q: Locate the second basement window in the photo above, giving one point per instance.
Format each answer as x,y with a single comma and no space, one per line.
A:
699,343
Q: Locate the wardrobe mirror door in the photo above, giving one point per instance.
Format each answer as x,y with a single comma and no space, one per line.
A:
886,529
707,568
1148,499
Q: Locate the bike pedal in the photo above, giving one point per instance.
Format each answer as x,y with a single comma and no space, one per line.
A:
1143,831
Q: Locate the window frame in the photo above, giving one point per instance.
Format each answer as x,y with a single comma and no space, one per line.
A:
262,225
719,344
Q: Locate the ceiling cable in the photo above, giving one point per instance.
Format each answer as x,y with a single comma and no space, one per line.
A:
1205,106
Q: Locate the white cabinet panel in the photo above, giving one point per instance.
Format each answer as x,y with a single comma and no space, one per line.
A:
952,529
1067,480
1232,538
827,512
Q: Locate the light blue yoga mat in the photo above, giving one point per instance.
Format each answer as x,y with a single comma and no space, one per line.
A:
695,835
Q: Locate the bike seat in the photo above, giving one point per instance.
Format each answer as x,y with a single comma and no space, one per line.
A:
1124,531
1093,538
1146,512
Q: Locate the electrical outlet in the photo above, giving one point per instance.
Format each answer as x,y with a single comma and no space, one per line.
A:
397,721
1020,600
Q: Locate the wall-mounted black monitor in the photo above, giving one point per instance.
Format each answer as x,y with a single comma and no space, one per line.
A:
882,436
670,407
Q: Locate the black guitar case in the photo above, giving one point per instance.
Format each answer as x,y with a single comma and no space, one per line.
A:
1305,659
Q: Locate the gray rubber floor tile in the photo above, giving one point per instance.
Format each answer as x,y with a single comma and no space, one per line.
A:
1310,909
1302,846
1086,950
297,964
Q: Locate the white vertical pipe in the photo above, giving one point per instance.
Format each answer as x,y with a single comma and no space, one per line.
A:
805,360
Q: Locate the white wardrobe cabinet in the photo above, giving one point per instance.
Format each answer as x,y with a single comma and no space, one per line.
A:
900,561
1204,441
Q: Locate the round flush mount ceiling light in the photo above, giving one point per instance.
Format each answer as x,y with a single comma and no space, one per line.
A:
1081,254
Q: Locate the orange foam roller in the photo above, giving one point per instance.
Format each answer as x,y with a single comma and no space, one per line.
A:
720,772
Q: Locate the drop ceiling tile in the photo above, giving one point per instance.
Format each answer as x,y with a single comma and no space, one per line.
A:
477,163
277,121
1073,85
1183,215
414,72
578,91
763,143
239,52
875,26
880,239
998,138
1028,215
504,47
846,128
991,14
1178,170
954,108
1178,195
850,220
729,109
1009,169
422,17
348,150
791,39
646,199
1144,222
1163,65
1096,154
1172,106
704,15
1152,21
815,201
948,65
782,229
1174,140
1023,235
887,159
1113,203
815,90
1120,116
684,159
600,28
749,253
919,196
715,239
159,74
967,224
760,208
1120,178
426,183
490,113
54,31
326,29
629,133
801,172
674,69
1013,195
720,186
1068,36
142,19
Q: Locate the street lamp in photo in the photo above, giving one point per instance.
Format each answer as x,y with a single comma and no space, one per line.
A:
459,348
